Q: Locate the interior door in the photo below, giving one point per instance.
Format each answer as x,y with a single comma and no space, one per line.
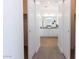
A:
33,32
31,29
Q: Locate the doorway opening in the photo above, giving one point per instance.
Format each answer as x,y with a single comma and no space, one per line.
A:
48,32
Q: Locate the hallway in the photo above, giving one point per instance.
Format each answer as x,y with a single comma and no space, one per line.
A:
48,50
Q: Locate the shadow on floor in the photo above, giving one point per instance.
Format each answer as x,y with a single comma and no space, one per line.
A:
49,53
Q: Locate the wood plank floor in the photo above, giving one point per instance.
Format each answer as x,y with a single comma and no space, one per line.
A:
48,41
48,49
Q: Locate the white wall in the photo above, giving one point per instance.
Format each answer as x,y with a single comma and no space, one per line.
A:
1,29
64,29
61,27
49,32
67,28
13,29
50,9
